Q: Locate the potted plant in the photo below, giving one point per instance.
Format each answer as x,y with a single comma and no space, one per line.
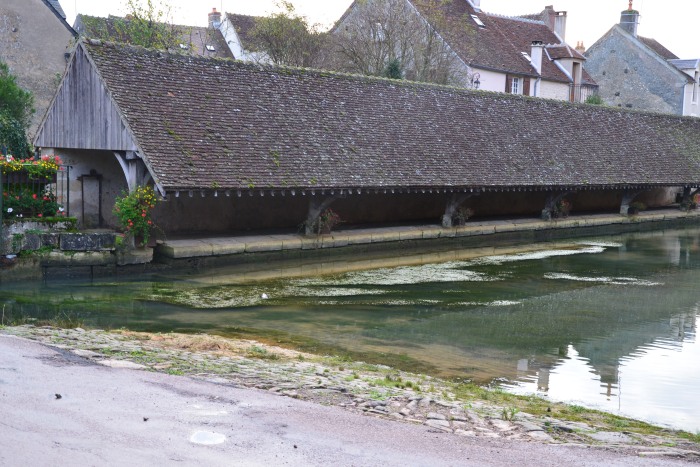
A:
328,220
462,215
562,208
636,207
133,211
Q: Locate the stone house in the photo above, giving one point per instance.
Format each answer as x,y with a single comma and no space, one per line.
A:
235,29
637,72
524,55
250,147
35,41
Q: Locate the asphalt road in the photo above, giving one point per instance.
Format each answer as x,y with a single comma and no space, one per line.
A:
60,409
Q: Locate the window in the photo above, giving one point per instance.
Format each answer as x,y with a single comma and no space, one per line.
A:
379,32
211,48
478,21
515,86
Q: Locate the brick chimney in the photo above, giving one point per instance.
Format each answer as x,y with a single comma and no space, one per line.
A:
629,20
214,19
536,52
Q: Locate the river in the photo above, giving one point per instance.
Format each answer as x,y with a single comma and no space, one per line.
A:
608,323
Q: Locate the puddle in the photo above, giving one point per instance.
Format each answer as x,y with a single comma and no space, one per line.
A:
207,438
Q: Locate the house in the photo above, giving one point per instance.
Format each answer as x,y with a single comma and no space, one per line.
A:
636,72
249,147
524,55
236,31
34,41
194,40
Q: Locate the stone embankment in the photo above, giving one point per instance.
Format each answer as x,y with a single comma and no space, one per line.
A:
374,390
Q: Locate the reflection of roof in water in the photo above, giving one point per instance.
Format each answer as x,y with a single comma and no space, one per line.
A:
604,323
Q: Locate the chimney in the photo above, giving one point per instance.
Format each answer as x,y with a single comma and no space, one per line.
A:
580,48
629,20
560,24
548,16
555,21
214,19
536,52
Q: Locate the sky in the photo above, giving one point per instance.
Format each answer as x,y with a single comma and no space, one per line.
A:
671,22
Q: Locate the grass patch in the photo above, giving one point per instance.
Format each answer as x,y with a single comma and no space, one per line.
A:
262,353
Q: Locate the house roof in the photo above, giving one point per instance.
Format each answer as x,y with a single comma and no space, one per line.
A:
204,123
498,45
195,39
243,24
654,45
691,64
57,6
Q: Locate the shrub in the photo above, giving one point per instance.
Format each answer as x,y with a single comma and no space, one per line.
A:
133,211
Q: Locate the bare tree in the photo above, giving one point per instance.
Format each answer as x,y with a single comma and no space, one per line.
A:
148,23
285,38
380,36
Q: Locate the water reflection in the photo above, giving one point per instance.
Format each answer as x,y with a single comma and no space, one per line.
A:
609,323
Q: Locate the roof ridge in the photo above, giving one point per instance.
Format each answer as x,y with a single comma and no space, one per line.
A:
516,18
112,17
282,69
242,15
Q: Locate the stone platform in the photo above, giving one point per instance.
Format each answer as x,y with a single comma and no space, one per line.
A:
475,233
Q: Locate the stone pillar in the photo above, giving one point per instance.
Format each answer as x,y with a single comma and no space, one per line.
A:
551,203
316,207
627,199
453,204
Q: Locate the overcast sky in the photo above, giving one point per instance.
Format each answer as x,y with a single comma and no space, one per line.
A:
671,22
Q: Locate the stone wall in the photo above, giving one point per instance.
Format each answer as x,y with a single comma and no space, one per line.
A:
33,42
631,76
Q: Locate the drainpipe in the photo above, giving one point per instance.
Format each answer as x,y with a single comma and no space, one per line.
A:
536,56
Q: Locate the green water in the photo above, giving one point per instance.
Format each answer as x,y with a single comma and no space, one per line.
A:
607,322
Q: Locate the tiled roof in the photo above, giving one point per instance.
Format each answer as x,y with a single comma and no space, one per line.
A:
498,45
243,24
559,51
56,9
654,45
57,6
685,64
205,123
195,39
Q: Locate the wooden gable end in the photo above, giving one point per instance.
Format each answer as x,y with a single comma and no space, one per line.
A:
83,114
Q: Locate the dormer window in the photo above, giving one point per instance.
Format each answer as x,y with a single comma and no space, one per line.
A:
478,21
211,48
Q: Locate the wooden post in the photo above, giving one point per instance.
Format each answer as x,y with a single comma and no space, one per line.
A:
135,170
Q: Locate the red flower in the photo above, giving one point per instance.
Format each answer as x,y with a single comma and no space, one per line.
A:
34,196
40,215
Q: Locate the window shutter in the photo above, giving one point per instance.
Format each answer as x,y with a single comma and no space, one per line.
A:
526,86
509,84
